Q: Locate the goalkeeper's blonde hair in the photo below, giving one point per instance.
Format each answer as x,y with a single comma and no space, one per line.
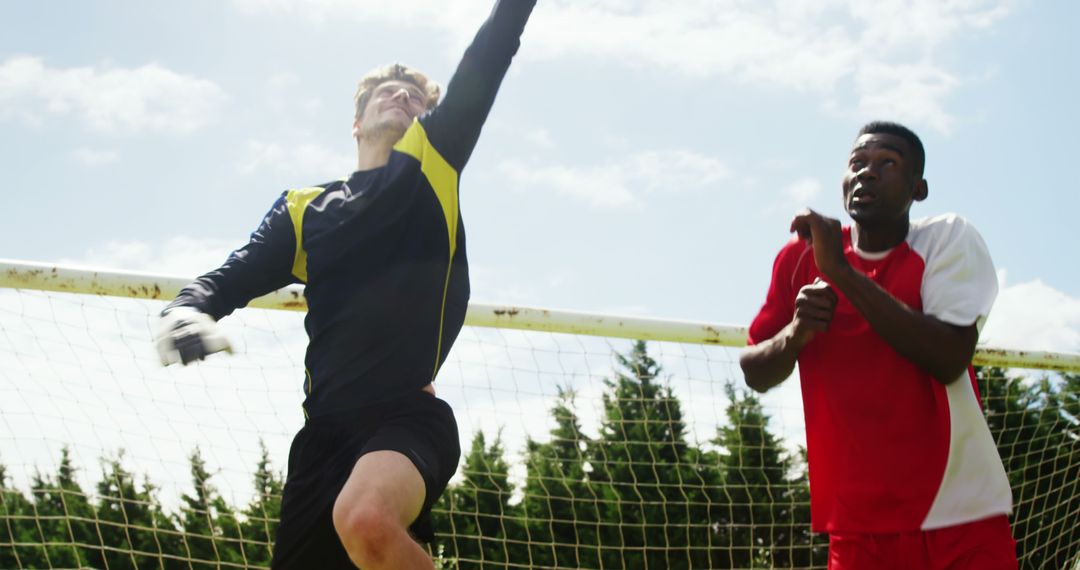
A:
391,72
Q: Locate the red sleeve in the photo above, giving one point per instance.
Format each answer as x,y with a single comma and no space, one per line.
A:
779,307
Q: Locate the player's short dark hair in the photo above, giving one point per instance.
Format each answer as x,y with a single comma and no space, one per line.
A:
896,129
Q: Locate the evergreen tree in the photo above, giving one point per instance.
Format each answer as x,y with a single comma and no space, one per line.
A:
262,515
561,506
767,522
637,497
1034,423
486,529
1067,470
211,528
132,528
66,519
656,512
18,526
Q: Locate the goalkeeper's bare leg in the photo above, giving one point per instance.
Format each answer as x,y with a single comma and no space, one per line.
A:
382,497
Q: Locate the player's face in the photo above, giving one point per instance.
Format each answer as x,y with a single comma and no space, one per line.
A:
881,182
391,109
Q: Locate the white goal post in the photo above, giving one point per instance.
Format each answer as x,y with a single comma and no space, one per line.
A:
135,285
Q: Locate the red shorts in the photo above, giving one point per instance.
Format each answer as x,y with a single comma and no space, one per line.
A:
981,545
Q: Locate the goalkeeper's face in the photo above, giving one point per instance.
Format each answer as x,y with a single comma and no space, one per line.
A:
881,181
391,109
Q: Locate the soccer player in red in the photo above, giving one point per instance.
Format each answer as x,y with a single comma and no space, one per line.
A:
882,318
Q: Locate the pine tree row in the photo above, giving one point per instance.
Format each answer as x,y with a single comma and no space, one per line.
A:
636,496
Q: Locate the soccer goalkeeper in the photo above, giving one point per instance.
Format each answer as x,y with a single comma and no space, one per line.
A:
382,255
882,318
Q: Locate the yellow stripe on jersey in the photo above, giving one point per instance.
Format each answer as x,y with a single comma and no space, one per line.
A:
444,181
298,201
442,177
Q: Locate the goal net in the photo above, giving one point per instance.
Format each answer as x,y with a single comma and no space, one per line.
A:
589,441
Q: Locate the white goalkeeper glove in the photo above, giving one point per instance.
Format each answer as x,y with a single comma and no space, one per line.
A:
185,335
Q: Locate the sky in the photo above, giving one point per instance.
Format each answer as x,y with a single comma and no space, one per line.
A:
643,157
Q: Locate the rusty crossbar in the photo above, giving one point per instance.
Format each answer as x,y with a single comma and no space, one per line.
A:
68,279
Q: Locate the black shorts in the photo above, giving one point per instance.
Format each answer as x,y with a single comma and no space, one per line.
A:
323,454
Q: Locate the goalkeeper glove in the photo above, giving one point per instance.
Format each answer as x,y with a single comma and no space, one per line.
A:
186,335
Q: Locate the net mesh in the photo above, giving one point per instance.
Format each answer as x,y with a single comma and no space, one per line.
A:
578,451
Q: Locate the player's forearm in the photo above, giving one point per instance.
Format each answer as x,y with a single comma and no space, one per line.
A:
455,125
769,363
938,348
262,265
196,295
476,80
230,287
507,20
495,44
210,293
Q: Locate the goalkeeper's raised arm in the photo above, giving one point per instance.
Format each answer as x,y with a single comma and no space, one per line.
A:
454,125
382,255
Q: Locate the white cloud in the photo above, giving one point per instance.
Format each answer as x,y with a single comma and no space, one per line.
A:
307,161
600,186
106,98
283,81
181,256
911,92
540,137
888,48
95,157
1034,316
498,284
621,184
802,191
906,23
283,96
453,17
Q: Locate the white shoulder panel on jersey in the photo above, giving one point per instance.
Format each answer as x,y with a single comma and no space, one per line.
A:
959,282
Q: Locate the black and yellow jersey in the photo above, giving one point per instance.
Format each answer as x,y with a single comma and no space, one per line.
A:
382,253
